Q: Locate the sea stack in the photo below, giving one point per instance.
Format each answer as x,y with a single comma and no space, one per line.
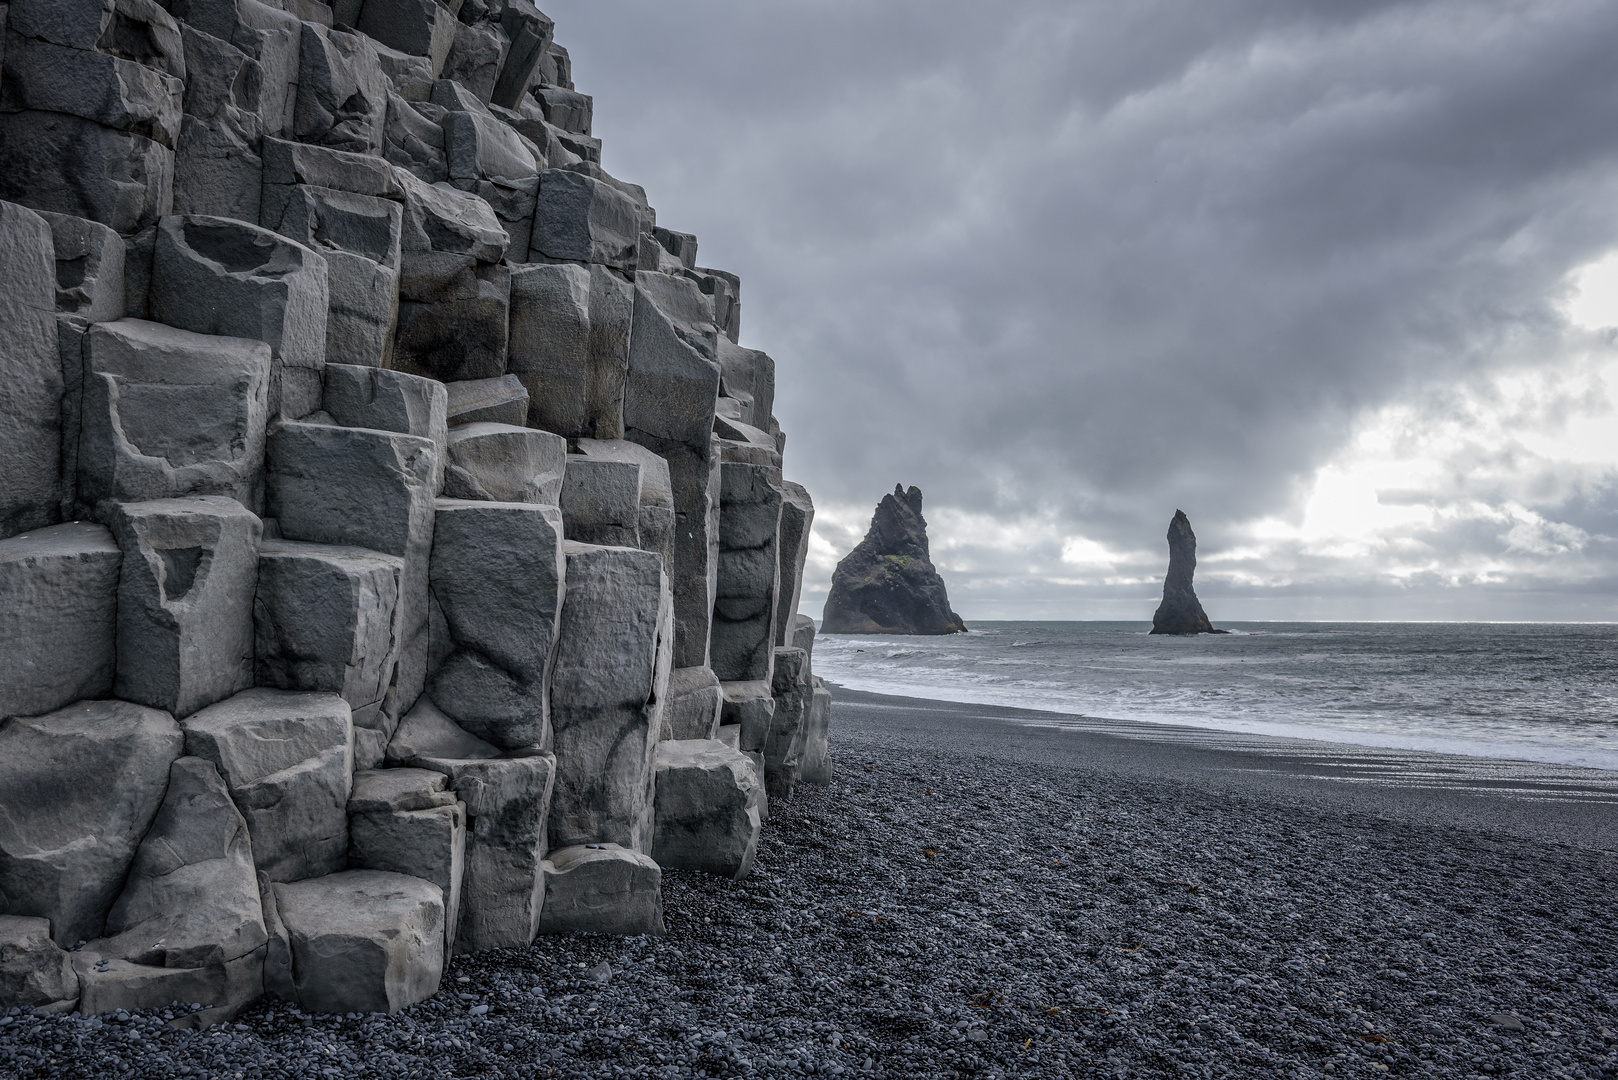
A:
1181,612
887,585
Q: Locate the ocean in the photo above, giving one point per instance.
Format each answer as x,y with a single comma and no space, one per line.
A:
1544,692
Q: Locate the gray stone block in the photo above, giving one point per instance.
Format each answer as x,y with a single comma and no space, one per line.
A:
474,59
407,822
498,400
601,501
33,969
749,377
815,765
426,733
270,36
549,346
329,219
108,984
453,318
58,617
89,268
217,166
802,635
513,204
219,276
363,941
797,516
505,463
185,600
122,179
497,579
581,219
366,397
708,798
287,759
323,620
692,709
342,97
364,310
602,889
92,776
31,383
749,573
414,141
507,801
654,525
477,146
168,413
417,27
145,32
573,112
784,748
363,488
750,706
287,164
107,90
607,691
531,34
191,899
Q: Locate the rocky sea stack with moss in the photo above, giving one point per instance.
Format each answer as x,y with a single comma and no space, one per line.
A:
887,585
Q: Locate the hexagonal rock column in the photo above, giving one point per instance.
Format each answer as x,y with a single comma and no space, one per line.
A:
363,940
185,600
708,798
30,410
215,275
287,759
607,691
507,801
784,748
749,573
497,573
404,820
168,413
371,489
797,515
815,767
323,620
500,399
669,399
601,501
80,787
58,617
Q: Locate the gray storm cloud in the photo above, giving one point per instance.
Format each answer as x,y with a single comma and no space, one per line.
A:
1082,263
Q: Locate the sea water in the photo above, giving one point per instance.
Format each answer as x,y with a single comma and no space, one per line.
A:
1532,691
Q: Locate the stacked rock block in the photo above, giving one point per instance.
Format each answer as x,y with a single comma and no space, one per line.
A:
394,553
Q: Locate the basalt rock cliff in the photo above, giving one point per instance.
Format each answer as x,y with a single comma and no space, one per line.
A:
887,585
1181,612
394,553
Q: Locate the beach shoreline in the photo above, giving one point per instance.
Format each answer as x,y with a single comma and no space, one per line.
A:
975,896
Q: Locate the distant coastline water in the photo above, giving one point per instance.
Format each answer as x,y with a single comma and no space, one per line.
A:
1532,691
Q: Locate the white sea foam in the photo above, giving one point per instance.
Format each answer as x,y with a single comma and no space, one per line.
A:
1535,692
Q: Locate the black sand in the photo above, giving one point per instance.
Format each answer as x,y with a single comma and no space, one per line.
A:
977,897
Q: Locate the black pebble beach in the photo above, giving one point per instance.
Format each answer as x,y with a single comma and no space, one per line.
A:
977,898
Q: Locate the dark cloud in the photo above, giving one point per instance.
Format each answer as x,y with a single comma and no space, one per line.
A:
1083,263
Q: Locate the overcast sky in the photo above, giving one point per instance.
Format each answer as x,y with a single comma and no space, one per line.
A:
1329,277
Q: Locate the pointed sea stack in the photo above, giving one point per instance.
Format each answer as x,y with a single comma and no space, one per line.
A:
1181,612
887,585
